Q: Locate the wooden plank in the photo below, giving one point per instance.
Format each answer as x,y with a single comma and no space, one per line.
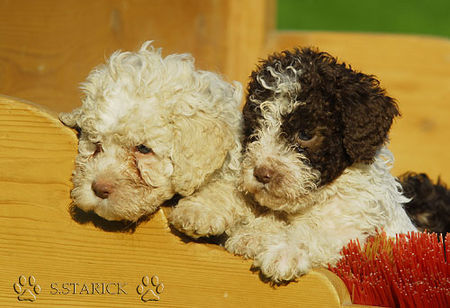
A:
249,24
78,264
47,47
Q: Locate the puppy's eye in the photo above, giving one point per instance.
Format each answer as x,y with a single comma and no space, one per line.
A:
143,149
304,136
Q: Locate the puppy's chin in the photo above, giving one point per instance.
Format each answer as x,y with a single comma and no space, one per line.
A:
277,197
106,211
122,204
267,199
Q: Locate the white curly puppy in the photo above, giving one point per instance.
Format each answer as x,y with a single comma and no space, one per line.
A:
152,127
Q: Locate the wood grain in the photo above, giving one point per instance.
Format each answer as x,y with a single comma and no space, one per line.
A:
249,24
38,237
48,47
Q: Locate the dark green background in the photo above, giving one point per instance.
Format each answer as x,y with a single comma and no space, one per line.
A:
431,17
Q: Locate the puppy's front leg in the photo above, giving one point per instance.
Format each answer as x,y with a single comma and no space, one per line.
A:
282,259
301,248
249,238
210,211
277,252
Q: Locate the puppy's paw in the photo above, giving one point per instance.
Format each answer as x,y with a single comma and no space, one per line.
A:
282,262
246,244
197,220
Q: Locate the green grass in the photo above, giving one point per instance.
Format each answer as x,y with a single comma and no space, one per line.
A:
430,17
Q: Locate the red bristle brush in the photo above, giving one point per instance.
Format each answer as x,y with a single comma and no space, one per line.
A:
411,270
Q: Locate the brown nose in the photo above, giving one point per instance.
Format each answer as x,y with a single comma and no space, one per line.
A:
263,174
102,189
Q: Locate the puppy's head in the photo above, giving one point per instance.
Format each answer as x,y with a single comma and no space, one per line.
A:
149,128
306,119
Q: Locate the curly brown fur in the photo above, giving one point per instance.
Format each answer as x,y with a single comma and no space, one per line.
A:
326,88
430,205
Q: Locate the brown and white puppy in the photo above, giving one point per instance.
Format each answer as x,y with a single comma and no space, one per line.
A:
315,171
315,162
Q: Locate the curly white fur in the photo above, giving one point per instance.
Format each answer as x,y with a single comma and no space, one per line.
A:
188,119
364,199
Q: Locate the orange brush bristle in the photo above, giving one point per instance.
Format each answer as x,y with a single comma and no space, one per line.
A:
411,270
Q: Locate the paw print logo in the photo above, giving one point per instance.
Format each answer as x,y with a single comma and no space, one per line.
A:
27,289
150,289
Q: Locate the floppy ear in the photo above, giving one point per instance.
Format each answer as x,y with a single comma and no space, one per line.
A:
367,115
201,144
70,118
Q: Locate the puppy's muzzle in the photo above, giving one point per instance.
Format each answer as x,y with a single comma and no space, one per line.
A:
263,174
102,189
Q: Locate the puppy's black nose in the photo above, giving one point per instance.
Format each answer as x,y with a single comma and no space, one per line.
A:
102,189
263,174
